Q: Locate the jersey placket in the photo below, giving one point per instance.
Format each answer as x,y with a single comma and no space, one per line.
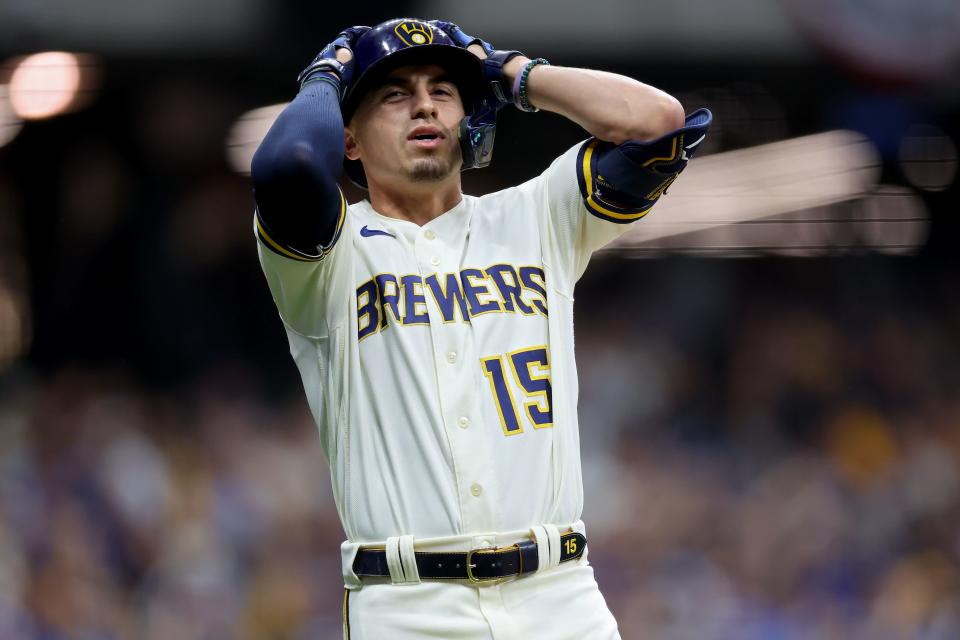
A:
439,247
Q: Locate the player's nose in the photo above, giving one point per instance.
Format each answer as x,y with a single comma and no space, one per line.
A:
422,105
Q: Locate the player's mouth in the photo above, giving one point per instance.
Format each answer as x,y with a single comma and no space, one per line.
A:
426,137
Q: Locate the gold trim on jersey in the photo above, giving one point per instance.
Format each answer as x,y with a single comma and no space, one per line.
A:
535,396
497,399
597,207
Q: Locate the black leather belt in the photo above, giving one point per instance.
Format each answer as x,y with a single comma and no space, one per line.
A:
476,565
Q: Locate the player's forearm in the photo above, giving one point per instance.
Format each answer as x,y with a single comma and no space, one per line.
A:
611,107
296,167
306,140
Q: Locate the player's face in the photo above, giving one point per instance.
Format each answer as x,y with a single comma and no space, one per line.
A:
405,130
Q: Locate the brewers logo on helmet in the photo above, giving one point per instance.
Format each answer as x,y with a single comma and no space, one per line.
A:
414,32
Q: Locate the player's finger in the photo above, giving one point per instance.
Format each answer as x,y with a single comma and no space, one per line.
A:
477,50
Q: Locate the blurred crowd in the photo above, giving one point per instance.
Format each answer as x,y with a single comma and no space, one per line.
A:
756,467
785,447
127,514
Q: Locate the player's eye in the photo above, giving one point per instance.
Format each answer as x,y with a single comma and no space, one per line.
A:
442,91
393,94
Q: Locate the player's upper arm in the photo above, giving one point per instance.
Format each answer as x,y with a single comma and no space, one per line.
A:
303,287
301,212
574,230
295,172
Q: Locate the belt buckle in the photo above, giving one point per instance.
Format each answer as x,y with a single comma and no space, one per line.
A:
474,579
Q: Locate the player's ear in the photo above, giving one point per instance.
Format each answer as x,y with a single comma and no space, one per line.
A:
351,146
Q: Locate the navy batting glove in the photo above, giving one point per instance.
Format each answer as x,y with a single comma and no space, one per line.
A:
326,68
500,92
460,38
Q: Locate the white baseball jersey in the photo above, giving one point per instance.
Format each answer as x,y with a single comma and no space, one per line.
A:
438,360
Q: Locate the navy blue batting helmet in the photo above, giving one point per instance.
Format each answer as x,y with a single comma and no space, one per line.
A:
409,41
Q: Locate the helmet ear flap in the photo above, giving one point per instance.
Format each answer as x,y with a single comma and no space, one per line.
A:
476,133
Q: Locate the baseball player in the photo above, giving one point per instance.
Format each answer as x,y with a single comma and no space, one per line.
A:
434,330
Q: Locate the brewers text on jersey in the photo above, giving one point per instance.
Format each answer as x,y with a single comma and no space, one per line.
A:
400,300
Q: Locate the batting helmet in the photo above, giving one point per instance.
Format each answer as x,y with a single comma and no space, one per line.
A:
408,41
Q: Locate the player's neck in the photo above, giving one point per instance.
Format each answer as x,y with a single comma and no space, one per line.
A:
419,203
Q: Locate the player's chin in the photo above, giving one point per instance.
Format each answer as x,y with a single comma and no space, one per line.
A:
433,168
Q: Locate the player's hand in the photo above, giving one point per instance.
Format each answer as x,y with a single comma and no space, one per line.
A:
500,85
334,63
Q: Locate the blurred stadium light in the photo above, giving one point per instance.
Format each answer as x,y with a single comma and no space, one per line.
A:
51,83
891,220
804,196
246,133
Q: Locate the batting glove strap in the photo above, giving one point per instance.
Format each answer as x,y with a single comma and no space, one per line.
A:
325,69
500,88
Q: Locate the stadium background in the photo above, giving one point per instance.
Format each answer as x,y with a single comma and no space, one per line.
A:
770,413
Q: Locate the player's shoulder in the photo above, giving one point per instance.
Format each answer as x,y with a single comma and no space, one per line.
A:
563,166
360,207
509,195
515,199
513,210
360,214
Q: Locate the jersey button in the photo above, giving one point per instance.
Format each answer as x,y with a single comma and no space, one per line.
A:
463,422
435,261
452,357
429,234
476,489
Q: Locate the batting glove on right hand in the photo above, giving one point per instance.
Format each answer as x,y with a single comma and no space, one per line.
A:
326,68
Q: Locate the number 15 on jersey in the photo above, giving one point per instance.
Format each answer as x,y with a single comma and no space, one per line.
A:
530,374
